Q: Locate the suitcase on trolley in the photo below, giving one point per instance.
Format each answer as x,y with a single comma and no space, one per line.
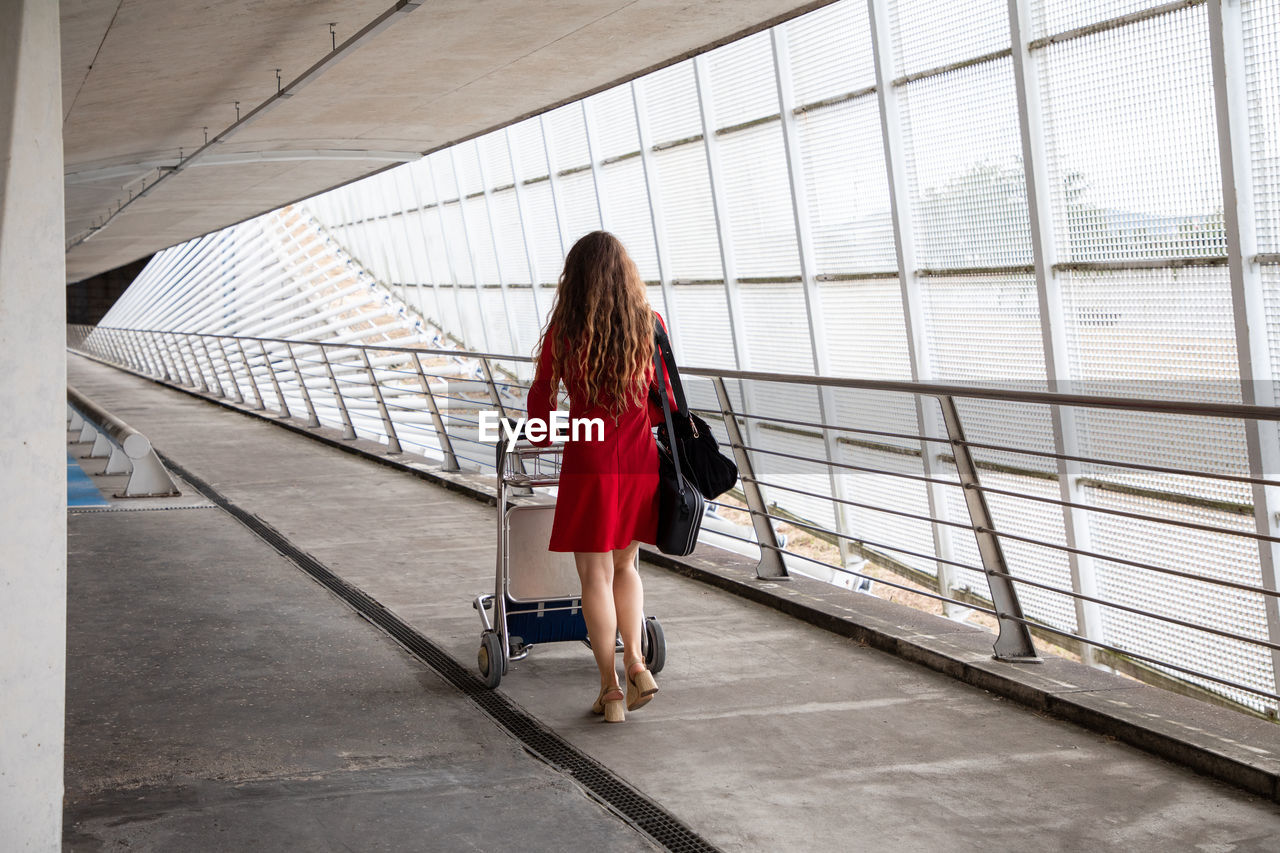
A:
537,597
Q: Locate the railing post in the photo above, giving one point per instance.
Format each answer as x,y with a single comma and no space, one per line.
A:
502,413
1076,523
114,350
204,386
348,430
154,352
393,440
135,355
771,564
178,364
213,367
253,380
138,346
106,347
140,352
312,420
1014,641
275,383
446,446
493,387
231,371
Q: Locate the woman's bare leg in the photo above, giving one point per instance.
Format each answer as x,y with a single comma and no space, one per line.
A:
596,571
628,602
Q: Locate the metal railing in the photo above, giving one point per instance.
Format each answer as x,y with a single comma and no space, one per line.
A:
427,402
127,451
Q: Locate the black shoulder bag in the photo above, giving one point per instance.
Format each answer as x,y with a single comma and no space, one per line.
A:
680,504
711,471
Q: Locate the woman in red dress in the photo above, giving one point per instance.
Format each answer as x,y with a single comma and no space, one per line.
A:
599,343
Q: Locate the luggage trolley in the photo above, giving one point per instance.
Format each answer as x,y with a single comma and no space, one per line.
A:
537,597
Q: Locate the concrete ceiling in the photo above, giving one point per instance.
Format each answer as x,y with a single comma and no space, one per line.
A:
141,79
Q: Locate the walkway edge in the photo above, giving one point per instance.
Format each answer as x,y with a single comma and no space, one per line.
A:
1226,745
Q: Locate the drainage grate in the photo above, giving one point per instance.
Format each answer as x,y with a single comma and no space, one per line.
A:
611,791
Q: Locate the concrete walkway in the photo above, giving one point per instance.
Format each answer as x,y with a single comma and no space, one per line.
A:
769,734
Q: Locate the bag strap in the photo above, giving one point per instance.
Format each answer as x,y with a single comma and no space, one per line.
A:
663,344
660,373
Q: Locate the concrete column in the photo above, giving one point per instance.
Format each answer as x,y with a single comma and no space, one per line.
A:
33,513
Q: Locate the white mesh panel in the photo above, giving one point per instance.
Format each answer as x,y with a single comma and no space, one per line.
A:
968,196
846,188
927,34
743,85
705,339
627,211
496,158
891,493
757,196
777,327
543,230
1157,333
865,328
577,198
794,473
671,100
614,122
819,72
467,162
441,167
495,313
567,133
659,303
1051,17
985,331
480,239
527,146
1133,152
1215,555
685,195
1262,64
510,236
1032,519
456,242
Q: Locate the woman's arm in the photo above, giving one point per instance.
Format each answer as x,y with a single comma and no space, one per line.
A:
538,403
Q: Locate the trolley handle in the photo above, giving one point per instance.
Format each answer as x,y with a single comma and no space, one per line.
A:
507,438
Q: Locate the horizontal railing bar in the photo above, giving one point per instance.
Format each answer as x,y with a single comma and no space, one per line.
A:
868,542
1115,605
849,467
1231,410
1139,656
732,536
1124,513
1244,587
904,588
814,425
239,371
847,502
1136,466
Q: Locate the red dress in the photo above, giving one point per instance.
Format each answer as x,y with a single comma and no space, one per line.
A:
608,493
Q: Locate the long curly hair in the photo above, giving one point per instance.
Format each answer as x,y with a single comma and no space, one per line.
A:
603,326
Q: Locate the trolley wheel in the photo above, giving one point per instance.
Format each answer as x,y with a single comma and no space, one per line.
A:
489,659
655,645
